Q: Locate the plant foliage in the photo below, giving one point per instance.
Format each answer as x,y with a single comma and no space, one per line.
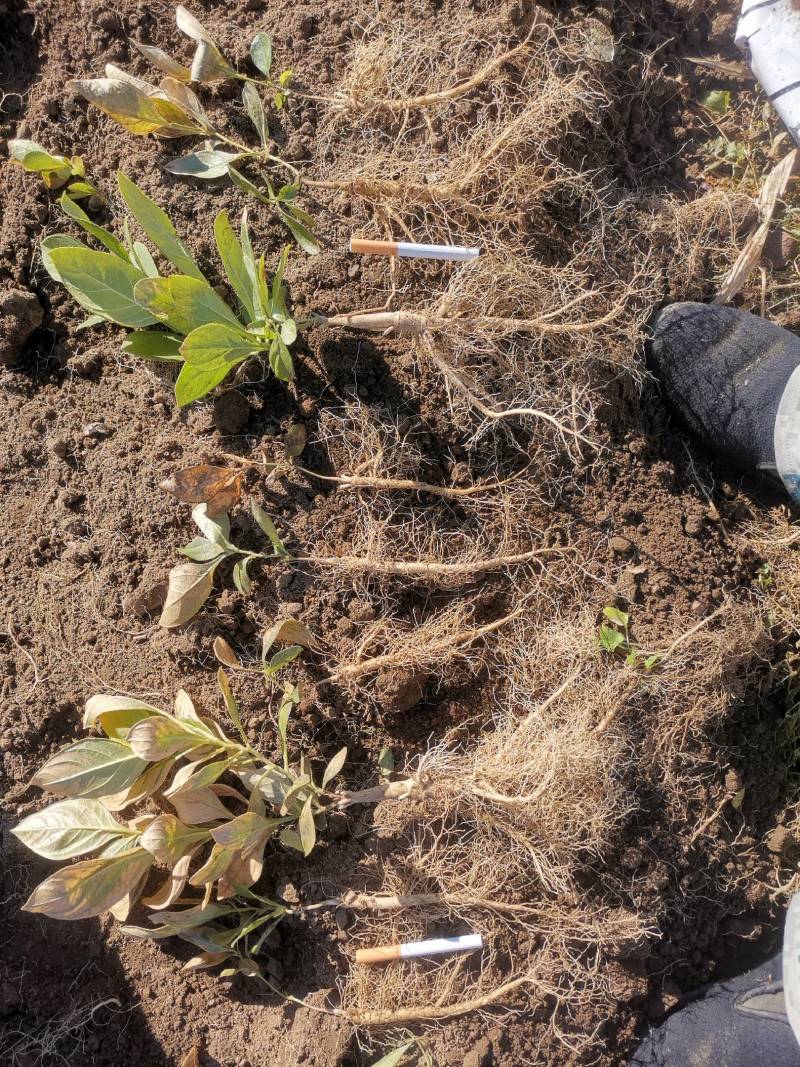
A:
172,109
221,802
56,171
190,583
178,317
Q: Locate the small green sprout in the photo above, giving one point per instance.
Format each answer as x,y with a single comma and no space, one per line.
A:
56,171
614,637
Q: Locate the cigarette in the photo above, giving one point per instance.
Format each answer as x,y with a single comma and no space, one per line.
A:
436,947
411,250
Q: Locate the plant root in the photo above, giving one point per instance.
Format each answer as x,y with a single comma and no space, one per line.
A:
428,1012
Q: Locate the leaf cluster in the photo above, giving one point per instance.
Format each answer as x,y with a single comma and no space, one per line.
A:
206,834
172,109
614,638
55,171
190,584
203,334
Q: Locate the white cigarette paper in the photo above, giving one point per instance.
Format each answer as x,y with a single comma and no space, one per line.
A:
411,250
437,946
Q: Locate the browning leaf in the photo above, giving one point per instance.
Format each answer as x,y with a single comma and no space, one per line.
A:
190,585
192,1057
218,487
225,654
295,440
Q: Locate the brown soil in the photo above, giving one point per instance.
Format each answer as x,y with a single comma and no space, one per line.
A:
88,435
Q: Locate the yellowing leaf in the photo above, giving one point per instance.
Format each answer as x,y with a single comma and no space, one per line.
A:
246,833
129,105
306,828
161,736
94,767
32,157
190,585
199,806
100,707
148,782
70,828
90,887
287,632
172,888
295,440
167,838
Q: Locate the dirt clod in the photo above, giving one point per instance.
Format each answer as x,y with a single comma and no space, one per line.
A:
20,314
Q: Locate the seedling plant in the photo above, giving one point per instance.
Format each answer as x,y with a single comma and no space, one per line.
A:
123,284
614,638
172,109
56,171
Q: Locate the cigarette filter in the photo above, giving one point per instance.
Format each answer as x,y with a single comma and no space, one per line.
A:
437,946
411,250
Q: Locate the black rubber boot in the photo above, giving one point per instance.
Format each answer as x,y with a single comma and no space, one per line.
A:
739,1023
725,372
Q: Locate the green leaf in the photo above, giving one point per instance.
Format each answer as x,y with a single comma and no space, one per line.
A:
196,382
92,767
153,344
70,828
717,101
391,1059
34,158
91,320
281,659
610,639
201,550
241,579
90,887
190,585
56,240
306,828
300,231
77,214
385,762
183,303
232,256
261,53
291,839
289,332
141,257
616,616
280,360
231,706
268,526
217,342
249,261
101,282
255,112
334,767
652,661
207,164
246,185
157,226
